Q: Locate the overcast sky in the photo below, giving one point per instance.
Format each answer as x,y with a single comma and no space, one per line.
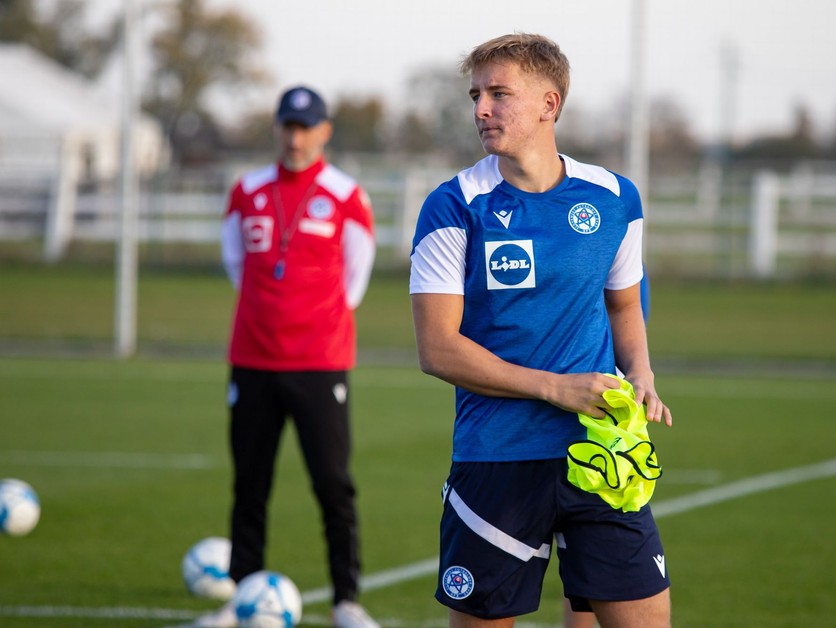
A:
785,50
732,66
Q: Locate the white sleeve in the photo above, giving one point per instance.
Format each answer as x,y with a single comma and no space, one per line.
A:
358,256
232,248
627,269
438,262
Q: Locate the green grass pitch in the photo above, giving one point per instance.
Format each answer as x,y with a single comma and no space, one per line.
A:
130,458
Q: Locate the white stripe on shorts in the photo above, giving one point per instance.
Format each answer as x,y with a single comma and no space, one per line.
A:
495,536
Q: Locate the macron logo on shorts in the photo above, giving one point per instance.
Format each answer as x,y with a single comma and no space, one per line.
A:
659,559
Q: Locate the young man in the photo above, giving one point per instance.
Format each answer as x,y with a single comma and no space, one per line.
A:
298,246
525,293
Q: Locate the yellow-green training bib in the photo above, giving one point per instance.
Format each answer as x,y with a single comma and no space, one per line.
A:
617,460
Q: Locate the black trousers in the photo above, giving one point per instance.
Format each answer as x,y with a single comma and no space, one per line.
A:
260,403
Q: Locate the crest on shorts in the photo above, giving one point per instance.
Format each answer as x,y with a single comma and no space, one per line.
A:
457,582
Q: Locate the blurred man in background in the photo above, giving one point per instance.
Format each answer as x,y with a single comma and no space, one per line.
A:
298,246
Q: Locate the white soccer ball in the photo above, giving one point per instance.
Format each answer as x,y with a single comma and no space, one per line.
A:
206,569
267,599
20,508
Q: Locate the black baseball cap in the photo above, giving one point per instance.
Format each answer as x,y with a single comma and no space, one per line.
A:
301,105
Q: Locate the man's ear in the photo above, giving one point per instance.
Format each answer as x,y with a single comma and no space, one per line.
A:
327,131
551,107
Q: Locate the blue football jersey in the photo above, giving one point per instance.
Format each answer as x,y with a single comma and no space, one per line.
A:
532,268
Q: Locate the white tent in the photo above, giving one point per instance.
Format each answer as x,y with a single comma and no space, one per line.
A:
49,114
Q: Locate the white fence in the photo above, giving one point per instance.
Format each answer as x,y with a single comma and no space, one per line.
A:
761,225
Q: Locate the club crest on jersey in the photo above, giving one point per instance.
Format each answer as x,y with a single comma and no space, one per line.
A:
584,218
258,233
321,208
510,264
457,582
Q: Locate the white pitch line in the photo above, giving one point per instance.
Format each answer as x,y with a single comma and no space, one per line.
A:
379,580
382,579
110,459
744,487
95,613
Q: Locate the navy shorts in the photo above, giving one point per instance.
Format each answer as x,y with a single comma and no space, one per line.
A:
497,528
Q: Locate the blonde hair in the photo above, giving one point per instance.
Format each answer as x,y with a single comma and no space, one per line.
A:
534,54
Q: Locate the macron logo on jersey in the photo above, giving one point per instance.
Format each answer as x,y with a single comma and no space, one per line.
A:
510,264
504,217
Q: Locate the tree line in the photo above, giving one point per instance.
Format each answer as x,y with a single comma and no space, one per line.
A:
197,50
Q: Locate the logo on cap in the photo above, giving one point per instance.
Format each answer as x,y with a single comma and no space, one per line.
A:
300,99
301,105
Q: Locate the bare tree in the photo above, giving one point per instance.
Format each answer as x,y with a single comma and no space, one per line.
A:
358,125
197,49
781,151
442,109
672,144
58,31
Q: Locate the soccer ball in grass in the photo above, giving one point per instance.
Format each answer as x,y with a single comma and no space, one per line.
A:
206,569
19,507
267,599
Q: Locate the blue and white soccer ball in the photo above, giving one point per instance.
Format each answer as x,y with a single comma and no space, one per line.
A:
267,599
206,569
20,508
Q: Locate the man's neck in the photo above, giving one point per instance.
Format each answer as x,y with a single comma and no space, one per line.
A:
295,170
533,173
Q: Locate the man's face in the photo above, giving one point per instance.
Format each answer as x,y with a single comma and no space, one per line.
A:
299,145
508,105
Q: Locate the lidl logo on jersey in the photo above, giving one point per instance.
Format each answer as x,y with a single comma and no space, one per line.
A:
510,264
584,218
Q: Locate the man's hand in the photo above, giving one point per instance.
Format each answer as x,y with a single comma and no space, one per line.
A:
646,393
581,393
